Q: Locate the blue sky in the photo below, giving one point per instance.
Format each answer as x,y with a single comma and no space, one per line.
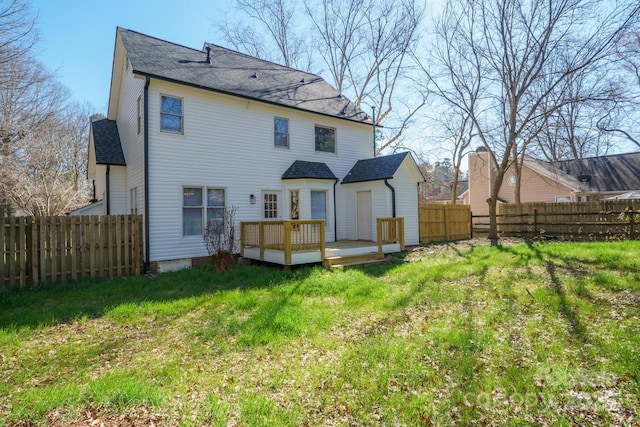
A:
77,36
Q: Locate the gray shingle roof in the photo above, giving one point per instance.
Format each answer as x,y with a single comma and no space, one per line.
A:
309,170
106,142
374,169
237,74
619,172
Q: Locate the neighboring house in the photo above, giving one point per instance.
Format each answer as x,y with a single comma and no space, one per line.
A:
442,194
594,178
191,132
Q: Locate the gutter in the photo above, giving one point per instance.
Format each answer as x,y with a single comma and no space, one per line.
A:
393,196
108,190
147,252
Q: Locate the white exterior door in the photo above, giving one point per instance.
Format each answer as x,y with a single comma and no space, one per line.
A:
364,215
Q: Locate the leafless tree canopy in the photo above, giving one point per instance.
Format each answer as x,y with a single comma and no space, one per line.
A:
365,45
508,64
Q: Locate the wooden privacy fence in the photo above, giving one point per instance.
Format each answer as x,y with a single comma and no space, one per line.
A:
51,249
440,222
594,220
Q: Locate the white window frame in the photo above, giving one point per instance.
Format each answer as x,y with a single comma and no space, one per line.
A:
326,205
204,207
563,199
271,204
181,115
276,133
315,139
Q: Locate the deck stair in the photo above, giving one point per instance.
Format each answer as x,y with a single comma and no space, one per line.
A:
354,260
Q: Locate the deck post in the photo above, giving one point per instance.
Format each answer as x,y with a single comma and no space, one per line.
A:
243,230
379,231
261,240
322,242
287,242
401,232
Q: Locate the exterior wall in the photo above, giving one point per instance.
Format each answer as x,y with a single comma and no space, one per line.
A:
480,174
101,182
228,143
405,184
535,187
117,190
380,203
304,188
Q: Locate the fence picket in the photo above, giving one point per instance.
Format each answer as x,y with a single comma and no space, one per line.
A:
55,249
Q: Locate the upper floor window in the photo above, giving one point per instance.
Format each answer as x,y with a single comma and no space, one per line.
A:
171,114
280,132
325,139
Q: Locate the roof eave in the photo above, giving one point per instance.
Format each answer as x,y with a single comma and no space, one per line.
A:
210,89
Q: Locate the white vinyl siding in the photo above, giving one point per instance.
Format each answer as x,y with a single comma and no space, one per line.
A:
204,158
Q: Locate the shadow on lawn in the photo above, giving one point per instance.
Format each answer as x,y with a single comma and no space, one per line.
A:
51,304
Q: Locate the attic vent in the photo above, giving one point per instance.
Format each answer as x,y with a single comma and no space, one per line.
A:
302,81
254,76
584,178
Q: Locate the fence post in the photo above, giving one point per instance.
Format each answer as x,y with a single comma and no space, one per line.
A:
535,222
630,213
447,226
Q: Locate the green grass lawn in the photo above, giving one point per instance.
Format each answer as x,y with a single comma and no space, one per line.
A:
465,333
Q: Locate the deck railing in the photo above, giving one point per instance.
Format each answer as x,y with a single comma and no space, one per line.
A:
287,236
390,230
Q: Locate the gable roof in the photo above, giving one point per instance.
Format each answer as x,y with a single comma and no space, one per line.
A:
620,172
309,170
234,73
106,141
376,168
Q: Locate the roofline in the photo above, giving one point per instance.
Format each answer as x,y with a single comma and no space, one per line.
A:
166,79
311,177
367,180
594,157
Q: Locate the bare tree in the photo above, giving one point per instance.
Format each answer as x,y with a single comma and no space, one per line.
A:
367,47
45,174
17,30
29,95
501,61
277,19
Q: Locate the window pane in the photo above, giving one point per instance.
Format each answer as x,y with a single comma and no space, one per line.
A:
319,205
171,123
281,132
325,139
171,105
192,196
215,197
215,217
191,221
270,205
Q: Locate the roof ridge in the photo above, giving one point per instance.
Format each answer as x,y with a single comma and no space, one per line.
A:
159,39
594,157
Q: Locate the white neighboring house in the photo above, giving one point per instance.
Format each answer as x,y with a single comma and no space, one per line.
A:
190,132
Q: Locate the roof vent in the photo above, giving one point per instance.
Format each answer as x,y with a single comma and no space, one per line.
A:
481,149
254,75
302,81
584,178
208,49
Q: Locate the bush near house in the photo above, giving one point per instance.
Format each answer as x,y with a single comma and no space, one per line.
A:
464,333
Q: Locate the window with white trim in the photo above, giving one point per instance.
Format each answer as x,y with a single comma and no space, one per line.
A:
325,139
270,205
563,199
280,132
200,206
319,205
171,114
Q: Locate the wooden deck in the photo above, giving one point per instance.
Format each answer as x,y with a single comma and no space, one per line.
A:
302,242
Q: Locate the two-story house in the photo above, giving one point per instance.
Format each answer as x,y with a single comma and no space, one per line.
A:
191,132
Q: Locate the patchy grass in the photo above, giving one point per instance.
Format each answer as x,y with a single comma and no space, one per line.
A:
461,333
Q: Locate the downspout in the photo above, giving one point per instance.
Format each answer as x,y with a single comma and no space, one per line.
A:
147,265
393,196
335,215
108,196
